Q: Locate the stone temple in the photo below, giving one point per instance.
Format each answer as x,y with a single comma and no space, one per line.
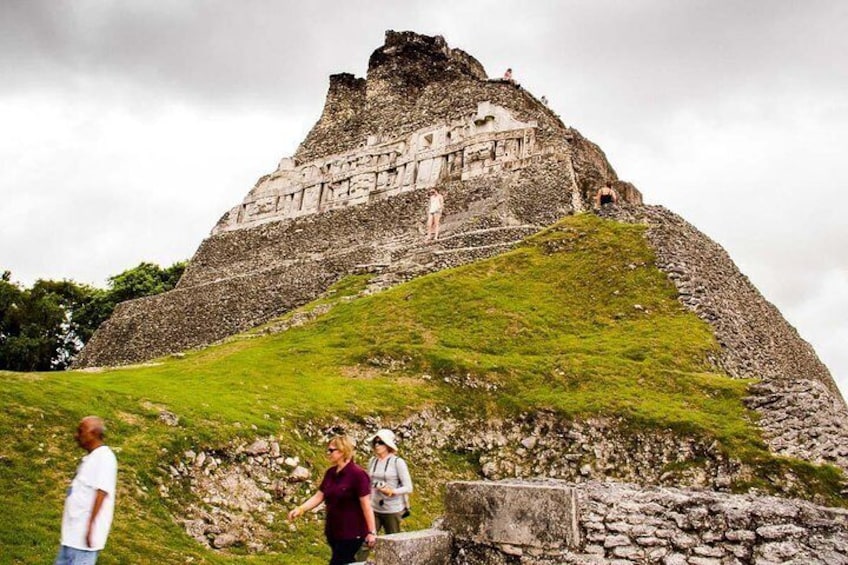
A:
354,195
353,199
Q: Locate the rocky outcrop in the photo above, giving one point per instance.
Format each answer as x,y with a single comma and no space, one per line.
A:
238,492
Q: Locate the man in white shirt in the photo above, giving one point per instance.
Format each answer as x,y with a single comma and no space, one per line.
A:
90,503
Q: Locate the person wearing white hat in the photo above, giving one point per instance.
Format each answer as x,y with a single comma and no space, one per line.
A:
390,482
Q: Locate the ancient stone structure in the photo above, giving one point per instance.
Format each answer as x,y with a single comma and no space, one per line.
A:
354,194
237,491
430,547
617,523
353,198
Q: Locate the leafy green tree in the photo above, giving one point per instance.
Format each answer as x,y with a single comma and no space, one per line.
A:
144,280
44,327
36,329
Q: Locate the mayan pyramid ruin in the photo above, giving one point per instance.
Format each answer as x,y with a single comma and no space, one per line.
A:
352,199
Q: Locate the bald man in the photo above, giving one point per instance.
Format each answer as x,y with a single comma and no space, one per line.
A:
90,503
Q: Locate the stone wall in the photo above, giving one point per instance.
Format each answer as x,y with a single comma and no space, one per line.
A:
235,491
616,523
242,278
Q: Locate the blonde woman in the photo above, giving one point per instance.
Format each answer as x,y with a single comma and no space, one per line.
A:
346,491
390,482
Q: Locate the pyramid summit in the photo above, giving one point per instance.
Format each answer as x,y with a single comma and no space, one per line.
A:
424,115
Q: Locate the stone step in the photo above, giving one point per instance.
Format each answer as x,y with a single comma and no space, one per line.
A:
420,547
370,268
473,248
405,263
522,227
467,239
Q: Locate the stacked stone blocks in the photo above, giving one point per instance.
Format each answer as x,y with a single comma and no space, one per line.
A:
550,522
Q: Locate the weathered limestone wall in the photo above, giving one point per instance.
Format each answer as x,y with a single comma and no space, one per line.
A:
542,516
802,412
153,326
232,489
615,523
419,547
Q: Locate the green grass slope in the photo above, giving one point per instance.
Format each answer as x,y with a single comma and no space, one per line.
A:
577,321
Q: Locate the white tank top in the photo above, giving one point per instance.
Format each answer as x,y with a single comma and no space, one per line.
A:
435,203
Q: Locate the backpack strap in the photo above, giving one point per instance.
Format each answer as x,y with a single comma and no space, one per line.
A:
400,484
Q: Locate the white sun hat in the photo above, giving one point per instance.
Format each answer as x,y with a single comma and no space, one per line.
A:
386,436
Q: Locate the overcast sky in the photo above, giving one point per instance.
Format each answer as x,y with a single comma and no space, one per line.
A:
127,128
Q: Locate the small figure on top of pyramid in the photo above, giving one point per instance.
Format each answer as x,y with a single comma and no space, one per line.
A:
605,195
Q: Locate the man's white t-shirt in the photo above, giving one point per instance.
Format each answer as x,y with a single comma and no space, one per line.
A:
97,471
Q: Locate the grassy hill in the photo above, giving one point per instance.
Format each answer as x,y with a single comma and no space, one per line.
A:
577,321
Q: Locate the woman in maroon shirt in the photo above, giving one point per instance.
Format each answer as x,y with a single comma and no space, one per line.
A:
346,492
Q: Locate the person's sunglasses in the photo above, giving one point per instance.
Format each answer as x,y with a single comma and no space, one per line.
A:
378,442
331,449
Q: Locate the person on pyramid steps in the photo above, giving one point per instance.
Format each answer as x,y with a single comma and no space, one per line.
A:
605,195
435,206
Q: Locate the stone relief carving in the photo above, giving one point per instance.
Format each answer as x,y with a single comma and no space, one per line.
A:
480,143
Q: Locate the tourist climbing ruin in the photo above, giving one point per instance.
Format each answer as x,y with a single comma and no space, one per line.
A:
605,195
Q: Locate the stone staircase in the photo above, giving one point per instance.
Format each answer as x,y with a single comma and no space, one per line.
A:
408,255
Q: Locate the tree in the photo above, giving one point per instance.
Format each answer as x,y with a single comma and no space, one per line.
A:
144,280
36,328
44,328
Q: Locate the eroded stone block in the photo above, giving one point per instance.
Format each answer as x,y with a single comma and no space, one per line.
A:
520,514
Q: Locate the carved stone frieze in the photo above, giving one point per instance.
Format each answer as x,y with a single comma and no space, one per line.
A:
487,141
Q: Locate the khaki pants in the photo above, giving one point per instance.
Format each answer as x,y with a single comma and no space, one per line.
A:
389,522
